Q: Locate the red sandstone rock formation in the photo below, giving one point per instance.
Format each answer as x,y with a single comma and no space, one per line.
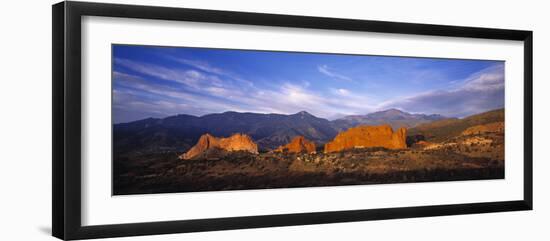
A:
368,136
297,145
236,142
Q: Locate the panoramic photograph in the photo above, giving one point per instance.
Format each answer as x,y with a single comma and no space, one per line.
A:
189,119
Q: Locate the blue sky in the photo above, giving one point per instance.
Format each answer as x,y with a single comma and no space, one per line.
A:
163,81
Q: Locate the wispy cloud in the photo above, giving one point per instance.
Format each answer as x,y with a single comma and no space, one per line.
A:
138,95
201,65
148,99
179,84
190,78
209,68
479,92
324,69
341,92
290,98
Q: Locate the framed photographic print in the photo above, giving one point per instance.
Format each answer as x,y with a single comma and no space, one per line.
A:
170,120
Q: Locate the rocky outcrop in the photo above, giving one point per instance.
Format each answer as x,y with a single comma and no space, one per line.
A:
297,145
236,142
423,143
413,139
368,136
494,127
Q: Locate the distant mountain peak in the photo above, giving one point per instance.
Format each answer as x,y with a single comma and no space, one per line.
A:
305,113
228,113
389,113
182,132
392,110
393,116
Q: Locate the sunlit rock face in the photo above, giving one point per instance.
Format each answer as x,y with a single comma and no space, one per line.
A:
236,142
297,145
368,136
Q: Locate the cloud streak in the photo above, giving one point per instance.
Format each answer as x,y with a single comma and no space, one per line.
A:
287,99
324,69
480,92
150,88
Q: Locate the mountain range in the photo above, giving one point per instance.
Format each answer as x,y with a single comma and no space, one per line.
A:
269,131
441,130
394,117
180,132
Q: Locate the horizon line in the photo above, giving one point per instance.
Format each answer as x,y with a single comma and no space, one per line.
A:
303,111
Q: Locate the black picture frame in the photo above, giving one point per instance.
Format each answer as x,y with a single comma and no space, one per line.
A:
66,159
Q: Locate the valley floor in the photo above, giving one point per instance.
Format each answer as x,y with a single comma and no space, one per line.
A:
165,173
